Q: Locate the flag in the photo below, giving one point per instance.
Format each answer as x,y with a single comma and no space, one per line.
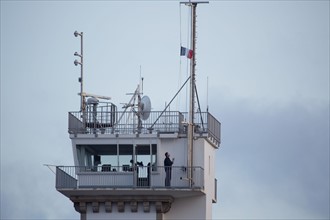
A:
186,52
183,51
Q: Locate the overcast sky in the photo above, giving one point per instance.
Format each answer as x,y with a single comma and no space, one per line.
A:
267,64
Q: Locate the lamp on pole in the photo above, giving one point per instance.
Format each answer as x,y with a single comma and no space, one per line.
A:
76,62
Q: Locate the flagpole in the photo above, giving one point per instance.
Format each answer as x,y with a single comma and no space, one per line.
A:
190,135
192,96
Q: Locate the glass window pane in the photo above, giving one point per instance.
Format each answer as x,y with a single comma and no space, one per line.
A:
125,156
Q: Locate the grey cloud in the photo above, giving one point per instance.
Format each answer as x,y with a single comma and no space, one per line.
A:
279,158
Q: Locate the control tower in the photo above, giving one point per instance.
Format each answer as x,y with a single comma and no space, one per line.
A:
119,170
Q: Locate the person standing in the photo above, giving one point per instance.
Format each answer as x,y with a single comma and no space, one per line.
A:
168,169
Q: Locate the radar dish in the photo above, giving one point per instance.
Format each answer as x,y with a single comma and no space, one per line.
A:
145,107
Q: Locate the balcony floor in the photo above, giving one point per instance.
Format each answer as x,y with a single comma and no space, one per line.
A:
174,192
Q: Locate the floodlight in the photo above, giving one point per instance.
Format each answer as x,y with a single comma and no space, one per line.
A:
76,62
77,54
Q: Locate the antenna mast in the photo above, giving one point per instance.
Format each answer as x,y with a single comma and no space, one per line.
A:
190,154
81,63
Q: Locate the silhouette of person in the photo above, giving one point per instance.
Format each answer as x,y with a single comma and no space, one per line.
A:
135,168
168,169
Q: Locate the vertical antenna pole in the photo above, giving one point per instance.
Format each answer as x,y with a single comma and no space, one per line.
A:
207,94
139,125
192,94
82,75
190,135
141,80
81,78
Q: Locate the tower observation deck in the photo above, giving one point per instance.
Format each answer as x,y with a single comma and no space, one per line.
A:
124,165
119,162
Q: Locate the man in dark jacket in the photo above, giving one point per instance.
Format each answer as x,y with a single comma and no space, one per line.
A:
168,169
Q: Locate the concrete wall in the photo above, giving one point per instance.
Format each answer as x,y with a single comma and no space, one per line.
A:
187,208
204,156
177,149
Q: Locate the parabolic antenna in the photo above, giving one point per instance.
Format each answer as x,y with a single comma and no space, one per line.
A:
145,107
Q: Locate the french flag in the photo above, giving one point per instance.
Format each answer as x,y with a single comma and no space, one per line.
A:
186,52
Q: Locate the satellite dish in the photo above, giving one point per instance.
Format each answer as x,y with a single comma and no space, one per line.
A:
145,107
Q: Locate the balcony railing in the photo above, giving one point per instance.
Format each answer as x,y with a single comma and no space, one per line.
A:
114,122
74,177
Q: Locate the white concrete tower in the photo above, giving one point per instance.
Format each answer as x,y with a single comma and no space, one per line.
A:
119,157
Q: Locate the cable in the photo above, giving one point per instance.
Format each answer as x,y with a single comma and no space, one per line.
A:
187,63
49,167
178,101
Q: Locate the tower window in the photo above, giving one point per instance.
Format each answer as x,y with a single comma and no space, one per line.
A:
119,157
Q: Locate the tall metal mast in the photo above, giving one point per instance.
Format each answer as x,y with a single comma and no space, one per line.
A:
190,137
81,63
192,93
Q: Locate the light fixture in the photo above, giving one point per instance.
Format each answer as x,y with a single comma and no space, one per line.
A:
76,62
77,54
76,34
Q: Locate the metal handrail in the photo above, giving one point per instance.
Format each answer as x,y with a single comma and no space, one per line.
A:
105,122
107,176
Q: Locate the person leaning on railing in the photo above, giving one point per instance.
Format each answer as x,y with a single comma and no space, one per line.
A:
168,169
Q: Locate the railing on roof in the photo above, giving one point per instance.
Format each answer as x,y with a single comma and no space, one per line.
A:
74,177
106,122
